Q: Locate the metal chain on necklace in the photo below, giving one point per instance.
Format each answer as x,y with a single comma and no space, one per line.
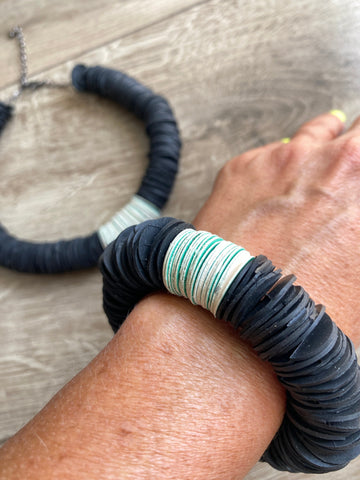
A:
25,83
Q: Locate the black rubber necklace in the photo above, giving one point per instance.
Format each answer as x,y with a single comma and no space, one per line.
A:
155,188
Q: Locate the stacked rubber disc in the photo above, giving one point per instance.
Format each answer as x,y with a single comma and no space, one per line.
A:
154,110
155,188
313,359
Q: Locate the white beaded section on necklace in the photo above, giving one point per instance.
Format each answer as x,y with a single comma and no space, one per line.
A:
201,267
136,211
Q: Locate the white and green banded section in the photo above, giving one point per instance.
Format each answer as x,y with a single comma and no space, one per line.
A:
137,210
201,267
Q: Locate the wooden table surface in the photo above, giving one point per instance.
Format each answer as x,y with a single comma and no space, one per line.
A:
238,74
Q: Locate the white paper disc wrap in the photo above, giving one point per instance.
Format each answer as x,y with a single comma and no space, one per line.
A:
201,267
136,211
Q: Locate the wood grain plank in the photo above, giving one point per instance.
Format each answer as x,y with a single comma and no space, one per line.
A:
59,30
238,73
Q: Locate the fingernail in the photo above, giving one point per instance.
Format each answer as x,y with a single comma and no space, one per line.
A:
285,140
339,114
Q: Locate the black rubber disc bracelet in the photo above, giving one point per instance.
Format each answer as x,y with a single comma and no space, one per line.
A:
155,188
312,357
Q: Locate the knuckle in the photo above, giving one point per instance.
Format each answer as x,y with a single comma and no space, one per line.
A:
311,131
292,152
349,154
233,167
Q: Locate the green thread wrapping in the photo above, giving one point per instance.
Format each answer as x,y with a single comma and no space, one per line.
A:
201,266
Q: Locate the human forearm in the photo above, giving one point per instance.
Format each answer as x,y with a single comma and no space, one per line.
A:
134,411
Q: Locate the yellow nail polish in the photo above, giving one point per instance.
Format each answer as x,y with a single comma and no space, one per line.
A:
339,114
286,140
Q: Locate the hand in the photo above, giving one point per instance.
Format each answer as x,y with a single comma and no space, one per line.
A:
299,204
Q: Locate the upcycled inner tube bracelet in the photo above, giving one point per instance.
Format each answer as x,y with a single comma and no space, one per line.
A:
155,188
312,357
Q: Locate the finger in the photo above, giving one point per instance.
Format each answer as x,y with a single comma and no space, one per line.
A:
323,128
355,127
251,154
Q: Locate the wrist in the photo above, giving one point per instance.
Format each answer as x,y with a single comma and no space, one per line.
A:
216,394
